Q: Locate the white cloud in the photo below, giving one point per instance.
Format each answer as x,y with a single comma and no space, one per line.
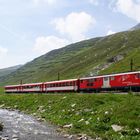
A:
94,2
110,32
3,51
129,8
75,25
45,44
49,2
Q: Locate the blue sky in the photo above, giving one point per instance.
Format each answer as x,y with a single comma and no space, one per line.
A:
30,28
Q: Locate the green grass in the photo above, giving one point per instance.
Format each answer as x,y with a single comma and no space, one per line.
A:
91,114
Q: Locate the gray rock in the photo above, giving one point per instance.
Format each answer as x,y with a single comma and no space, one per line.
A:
68,126
116,128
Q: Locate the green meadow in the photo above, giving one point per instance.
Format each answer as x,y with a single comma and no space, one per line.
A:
90,114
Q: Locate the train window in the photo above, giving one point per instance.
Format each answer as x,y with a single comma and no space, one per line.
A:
105,78
35,87
67,84
124,77
90,80
138,75
81,81
63,84
89,84
70,83
112,78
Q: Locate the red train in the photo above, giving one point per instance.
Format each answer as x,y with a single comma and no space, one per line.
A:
120,82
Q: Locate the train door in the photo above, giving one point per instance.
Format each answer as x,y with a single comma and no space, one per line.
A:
106,82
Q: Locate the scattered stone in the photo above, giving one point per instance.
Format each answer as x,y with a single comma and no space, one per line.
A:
87,110
73,105
64,97
1,106
66,135
116,128
70,137
50,101
82,137
87,122
40,108
77,113
138,130
59,130
107,112
49,107
92,112
73,110
90,119
40,119
42,111
68,126
98,138
98,119
81,120
15,106
34,114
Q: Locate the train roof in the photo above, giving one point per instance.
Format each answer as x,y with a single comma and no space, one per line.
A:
100,76
12,85
29,84
69,80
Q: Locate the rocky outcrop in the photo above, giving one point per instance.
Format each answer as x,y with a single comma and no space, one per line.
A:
115,58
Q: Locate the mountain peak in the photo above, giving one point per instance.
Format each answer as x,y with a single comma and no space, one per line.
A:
136,27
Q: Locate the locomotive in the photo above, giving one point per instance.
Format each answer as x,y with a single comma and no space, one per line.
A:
113,82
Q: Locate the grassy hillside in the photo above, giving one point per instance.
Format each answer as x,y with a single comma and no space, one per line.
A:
103,55
94,115
123,65
6,71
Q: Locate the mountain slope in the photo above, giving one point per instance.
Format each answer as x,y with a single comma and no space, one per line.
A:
102,55
137,27
8,70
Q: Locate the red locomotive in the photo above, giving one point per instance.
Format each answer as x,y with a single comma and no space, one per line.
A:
121,82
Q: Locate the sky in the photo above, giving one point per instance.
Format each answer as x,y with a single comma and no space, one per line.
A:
31,28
